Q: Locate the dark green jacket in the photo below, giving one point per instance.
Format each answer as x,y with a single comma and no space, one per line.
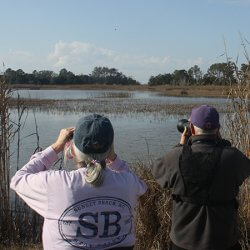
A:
205,227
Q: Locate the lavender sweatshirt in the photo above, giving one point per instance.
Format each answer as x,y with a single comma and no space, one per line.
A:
76,214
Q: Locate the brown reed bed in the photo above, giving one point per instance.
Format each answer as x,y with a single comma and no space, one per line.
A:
167,90
108,94
19,247
5,136
18,223
153,214
238,127
111,106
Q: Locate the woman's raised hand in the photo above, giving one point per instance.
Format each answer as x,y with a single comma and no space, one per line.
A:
64,135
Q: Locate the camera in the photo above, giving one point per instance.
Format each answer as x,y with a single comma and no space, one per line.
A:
182,124
71,137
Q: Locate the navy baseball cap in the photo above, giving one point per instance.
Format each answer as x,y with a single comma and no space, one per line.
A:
93,134
205,117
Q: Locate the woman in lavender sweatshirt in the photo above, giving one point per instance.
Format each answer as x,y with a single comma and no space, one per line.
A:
88,208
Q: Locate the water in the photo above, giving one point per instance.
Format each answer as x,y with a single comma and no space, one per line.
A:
93,94
142,137
135,139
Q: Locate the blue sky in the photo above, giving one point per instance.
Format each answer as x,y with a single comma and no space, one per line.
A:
138,37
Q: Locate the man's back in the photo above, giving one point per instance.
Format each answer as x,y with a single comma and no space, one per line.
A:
196,225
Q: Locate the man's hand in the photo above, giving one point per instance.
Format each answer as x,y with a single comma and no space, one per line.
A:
184,136
63,137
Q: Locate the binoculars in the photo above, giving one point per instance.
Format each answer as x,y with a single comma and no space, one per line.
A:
182,124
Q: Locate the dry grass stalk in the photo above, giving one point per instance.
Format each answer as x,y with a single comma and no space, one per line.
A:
5,135
17,222
237,123
153,215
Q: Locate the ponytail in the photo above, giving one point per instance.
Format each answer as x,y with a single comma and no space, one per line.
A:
94,173
94,163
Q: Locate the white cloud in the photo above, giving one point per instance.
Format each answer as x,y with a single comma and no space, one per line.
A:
78,52
82,57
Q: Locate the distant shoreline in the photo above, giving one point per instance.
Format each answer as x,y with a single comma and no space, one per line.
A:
165,90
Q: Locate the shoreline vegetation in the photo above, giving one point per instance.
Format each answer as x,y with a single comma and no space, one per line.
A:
217,91
121,97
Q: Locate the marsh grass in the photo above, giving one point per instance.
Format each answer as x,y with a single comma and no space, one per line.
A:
153,214
237,123
21,247
110,106
5,136
116,95
18,223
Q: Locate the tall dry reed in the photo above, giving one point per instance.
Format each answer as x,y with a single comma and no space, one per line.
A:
5,136
18,223
153,214
237,122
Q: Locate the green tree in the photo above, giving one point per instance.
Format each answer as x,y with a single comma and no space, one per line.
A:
195,74
64,77
160,79
11,76
105,75
223,73
181,77
245,70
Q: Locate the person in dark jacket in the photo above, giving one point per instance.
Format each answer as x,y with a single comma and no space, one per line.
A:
204,172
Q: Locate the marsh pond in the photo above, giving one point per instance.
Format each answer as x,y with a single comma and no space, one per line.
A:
144,122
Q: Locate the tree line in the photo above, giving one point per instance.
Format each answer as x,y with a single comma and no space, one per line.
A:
217,74
99,75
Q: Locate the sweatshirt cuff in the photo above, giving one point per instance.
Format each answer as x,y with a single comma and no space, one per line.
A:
50,155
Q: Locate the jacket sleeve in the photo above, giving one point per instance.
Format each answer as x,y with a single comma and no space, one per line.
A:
164,169
160,172
29,181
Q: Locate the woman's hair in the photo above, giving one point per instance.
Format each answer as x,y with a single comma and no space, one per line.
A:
94,163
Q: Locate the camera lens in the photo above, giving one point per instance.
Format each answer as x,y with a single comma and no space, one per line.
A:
182,124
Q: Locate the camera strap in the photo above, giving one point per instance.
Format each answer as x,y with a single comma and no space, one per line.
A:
198,171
